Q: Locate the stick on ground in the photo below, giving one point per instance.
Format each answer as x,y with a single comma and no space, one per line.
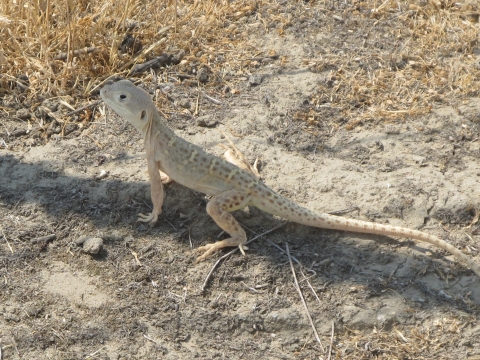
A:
302,298
331,341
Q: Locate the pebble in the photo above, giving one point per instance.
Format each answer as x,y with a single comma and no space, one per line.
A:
202,75
255,80
206,121
91,245
23,114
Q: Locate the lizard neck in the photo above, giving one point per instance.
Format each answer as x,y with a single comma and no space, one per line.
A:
156,129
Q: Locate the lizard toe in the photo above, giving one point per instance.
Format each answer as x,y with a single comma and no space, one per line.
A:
209,249
150,218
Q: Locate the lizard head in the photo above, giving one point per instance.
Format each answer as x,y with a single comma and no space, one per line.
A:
129,101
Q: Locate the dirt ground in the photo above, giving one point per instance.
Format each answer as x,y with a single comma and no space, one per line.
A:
140,297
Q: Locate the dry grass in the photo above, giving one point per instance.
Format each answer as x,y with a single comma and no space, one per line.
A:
407,55
430,340
61,46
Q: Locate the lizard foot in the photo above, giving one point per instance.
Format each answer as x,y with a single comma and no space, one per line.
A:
209,249
165,178
150,218
235,156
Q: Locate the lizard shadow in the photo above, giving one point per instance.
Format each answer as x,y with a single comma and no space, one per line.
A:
27,190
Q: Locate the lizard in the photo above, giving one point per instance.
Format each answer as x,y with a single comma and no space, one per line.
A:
170,157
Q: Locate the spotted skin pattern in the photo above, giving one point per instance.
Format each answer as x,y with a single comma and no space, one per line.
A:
232,187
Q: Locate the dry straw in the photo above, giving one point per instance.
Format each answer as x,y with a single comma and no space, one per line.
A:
401,58
67,47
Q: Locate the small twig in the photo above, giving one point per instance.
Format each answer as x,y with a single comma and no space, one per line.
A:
9,246
176,9
22,132
149,338
164,30
196,104
215,101
46,238
157,62
95,103
93,354
273,57
249,287
302,298
143,53
86,50
331,341
190,239
344,211
173,227
232,252
311,288
283,251
135,255
95,141
183,76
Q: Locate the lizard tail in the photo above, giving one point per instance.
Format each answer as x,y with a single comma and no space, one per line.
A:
293,212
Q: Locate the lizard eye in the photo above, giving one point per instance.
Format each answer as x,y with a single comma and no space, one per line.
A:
122,97
143,115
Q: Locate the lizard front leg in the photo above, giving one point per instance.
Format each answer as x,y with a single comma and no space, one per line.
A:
156,189
219,209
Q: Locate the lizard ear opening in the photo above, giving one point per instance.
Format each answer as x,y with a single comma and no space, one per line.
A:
143,115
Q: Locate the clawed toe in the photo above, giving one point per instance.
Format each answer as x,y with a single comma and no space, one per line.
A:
150,218
209,249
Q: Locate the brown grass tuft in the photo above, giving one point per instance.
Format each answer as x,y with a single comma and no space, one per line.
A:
406,57
57,47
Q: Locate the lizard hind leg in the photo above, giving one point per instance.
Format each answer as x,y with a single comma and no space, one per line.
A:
165,178
219,209
234,156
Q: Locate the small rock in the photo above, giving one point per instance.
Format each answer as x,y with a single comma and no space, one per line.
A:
81,239
93,245
202,75
115,235
23,114
11,317
191,130
255,80
23,82
184,103
130,45
69,128
386,318
33,311
206,121
51,104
